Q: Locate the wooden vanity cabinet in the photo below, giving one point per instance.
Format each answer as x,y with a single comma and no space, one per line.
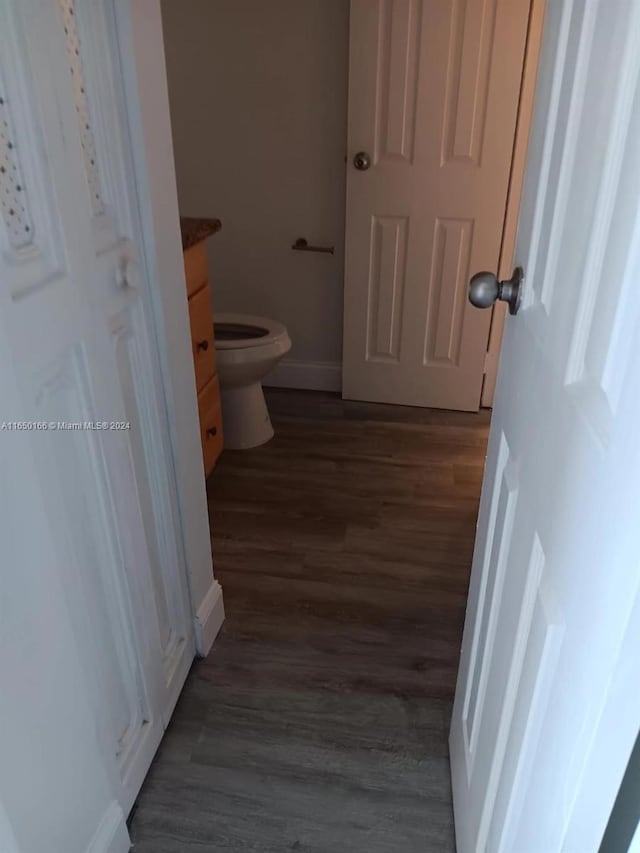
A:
204,353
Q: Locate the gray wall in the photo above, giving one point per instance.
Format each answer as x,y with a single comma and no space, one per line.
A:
258,94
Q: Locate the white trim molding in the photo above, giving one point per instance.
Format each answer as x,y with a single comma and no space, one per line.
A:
209,618
309,375
111,835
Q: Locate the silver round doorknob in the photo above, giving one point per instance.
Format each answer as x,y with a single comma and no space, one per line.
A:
362,161
485,290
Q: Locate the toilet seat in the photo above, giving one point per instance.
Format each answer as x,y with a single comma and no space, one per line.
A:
246,330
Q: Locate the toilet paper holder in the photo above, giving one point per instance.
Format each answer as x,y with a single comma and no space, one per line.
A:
301,245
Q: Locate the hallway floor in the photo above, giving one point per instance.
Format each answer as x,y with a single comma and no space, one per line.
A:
319,721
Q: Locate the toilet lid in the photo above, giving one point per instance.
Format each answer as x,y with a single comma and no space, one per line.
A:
239,331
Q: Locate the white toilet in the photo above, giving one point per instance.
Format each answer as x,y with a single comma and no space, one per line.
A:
246,349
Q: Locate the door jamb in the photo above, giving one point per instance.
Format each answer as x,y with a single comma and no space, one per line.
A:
514,193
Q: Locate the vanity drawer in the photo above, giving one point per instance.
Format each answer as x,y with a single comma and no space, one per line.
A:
202,340
210,424
196,270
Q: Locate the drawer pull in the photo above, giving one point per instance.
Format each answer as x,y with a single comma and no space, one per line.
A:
212,431
203,345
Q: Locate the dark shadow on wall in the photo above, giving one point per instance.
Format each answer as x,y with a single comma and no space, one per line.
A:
625,816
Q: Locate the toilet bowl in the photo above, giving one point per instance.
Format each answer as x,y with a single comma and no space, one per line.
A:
247,348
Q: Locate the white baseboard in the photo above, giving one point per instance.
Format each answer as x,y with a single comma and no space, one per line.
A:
309,375
209,618
111,835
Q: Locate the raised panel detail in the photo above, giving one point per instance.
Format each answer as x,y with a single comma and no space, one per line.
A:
506,690
607,299
82,106
565,158
447,291
542,143
540,636
93,549
503,504
470,48
493,577
387,273
397,78
145,437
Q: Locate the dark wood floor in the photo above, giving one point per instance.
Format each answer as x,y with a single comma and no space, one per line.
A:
319,721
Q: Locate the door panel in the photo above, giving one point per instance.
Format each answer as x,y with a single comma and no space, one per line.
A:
433,96
546,714
50,755
399,28
447,292
131,376
78,330
66,373
386,293
84,503
125,308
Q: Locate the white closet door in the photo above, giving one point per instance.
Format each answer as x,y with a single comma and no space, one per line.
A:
74,311
94,79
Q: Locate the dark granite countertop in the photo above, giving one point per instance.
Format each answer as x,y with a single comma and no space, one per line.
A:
194,230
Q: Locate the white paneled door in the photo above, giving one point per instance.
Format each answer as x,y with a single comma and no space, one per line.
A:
547,705
433,101
75,311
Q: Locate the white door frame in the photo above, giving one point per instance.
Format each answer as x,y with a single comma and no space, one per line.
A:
143,67
521,142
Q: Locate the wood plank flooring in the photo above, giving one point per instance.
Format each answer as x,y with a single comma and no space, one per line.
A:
319,722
